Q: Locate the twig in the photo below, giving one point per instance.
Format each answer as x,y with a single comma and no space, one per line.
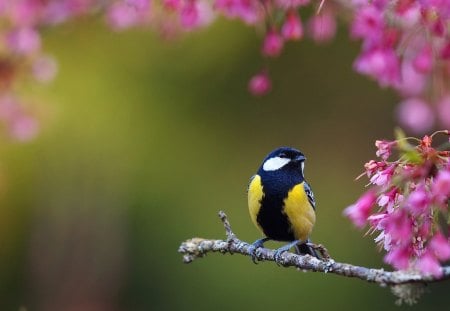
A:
198,247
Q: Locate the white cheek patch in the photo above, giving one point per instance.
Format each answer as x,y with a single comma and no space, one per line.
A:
275,163
303,168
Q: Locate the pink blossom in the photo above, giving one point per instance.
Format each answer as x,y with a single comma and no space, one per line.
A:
443,108
260,84
398,257
387,200
174,5
189,15
440,246
273,44
441,187
44,69
381,64
428,264
24,128
290,4
423,62
249,11
418,201
383,177
360,211
398,225
292,28
384,148
368,23
415,115
322,27
122,16
412,82
24,40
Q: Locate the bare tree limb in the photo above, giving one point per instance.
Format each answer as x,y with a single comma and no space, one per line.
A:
198,247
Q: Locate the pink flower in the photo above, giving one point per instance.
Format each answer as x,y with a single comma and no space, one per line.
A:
384,148
260,84
383,177
322,27
24,128
44,69
291,4
428,264
418,201
273,44
368,23
360,211
440,246
412,82
122,16
443,108
441,187
398,257
381,64
292,28
423,62
189,15
24,40
415,115
387,200
174,5
398,225
249,11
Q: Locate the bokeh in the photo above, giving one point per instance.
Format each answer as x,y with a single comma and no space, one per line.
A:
143,141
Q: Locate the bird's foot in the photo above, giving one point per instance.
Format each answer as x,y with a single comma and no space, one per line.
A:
252,249
283,249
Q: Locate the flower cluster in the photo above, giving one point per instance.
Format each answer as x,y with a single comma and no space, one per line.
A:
406,46
405,43
407,203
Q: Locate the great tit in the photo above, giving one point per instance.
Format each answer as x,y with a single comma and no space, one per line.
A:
281,203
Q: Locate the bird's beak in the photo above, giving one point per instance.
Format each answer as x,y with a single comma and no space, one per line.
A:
299,158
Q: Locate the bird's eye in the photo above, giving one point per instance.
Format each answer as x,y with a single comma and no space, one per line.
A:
282,155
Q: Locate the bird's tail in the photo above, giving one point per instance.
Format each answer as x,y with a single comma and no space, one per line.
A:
305,249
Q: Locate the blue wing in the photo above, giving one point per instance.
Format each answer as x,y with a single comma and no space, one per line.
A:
310,194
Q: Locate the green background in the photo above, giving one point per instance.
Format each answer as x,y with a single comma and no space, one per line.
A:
143,141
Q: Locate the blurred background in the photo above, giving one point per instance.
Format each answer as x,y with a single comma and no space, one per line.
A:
144,141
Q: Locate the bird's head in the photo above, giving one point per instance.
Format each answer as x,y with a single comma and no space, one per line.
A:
283,159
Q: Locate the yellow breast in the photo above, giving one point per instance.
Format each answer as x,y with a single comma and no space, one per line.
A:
300,213
255,195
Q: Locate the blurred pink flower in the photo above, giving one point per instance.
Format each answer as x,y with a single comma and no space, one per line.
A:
443,108
368,23
44,69
415,115
428,264
398,257
291,4
380,63
322,27
423,62
273,44
411,82
360,211
418,201
24,40
260,84
383,177
384,148
292,28
24,128
121,16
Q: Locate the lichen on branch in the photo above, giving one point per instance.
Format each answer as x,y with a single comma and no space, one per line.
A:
398,280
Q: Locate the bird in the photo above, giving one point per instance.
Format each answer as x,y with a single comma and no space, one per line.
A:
281,203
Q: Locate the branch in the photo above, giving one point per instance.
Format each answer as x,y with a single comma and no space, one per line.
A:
198,247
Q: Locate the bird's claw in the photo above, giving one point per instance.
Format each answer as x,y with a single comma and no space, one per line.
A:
254,248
